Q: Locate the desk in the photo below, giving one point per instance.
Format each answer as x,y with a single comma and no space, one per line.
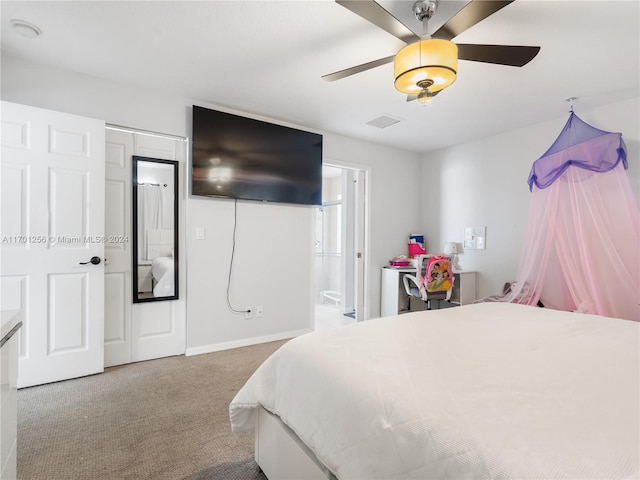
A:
393,298
10,324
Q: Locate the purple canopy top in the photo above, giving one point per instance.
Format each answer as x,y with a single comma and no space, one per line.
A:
579,145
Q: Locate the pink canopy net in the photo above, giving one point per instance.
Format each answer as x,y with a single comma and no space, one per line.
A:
581,250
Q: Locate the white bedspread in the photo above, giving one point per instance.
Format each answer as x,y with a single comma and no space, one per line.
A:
483,391
163,272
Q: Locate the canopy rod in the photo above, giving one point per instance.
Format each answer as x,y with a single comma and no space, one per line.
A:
570,100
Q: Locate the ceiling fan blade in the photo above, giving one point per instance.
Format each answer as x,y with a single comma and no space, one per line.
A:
411,98
347,72
374,13
472,13
512,55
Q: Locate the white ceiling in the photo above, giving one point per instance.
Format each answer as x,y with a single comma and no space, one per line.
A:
266,58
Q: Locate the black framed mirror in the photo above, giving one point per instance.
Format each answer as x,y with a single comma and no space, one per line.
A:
155,229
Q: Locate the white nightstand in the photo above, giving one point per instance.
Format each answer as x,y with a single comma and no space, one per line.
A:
145,279
10,324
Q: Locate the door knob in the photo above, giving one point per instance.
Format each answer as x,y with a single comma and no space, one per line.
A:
93,261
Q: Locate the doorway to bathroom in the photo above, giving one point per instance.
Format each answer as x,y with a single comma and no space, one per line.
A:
340,247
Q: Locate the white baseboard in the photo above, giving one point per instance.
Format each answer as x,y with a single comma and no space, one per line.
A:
217,347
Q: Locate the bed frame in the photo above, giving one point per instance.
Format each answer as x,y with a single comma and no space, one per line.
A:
281,454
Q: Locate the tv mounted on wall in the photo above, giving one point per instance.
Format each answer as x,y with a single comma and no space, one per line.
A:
244,158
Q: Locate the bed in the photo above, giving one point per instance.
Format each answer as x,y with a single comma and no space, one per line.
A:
482,391
162,270
160,250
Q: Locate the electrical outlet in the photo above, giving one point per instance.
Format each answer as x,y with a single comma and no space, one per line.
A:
259,311
248,314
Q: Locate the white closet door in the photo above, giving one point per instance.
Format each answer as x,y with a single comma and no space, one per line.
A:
117,277
158,329
52,224
141,331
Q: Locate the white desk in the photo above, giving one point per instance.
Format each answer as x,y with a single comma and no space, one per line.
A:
9,325
393,298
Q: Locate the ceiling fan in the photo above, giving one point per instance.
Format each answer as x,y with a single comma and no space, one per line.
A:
429,63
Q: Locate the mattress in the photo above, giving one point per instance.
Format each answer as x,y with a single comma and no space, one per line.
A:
483,391
162,269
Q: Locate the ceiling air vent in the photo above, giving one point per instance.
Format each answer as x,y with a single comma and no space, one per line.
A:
383,121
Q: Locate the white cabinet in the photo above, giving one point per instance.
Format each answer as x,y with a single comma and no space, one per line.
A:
9,392
394,298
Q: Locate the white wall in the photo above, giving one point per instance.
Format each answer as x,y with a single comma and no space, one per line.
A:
476,184
484,183
394,211
274,252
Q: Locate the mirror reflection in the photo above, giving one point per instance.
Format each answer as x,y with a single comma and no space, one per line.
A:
155,234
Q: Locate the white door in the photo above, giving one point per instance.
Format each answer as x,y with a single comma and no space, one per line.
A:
140,331
360,244
117,276
351,228
52,225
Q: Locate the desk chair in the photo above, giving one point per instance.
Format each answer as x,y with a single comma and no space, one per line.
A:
436,284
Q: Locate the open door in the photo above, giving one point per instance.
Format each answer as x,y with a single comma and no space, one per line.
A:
360,242
52,230
341,247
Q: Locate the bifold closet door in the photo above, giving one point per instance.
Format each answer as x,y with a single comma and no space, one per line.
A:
140,331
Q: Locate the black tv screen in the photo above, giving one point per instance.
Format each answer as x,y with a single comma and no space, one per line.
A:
243,158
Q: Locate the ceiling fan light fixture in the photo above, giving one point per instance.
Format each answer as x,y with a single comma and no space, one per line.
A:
426,95
433,59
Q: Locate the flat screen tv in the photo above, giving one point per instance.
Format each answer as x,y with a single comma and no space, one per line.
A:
244,158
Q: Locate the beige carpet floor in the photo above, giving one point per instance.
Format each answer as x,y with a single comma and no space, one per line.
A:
159,419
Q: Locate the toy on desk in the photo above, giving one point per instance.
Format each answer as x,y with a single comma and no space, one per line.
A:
399,261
